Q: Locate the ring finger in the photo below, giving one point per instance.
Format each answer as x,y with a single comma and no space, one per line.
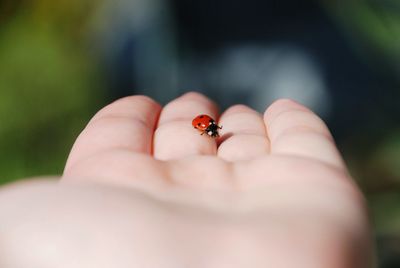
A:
244,135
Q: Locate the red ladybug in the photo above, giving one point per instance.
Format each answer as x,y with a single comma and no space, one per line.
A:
206,124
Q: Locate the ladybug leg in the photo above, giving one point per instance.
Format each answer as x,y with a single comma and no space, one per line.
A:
220,127
202,133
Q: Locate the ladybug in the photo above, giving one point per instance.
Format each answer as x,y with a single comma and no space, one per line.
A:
206,124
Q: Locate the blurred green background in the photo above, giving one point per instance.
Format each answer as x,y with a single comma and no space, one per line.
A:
49,84
60,61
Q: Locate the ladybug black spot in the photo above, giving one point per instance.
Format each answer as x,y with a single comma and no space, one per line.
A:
199,124
201,116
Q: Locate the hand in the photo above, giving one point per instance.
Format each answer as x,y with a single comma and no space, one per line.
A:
142,188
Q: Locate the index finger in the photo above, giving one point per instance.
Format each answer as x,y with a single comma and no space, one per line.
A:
127,124
293,129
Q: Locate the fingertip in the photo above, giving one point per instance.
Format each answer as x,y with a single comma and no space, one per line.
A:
127,123
140,107
293,129
134,99
281,105
239,108
188,106
193,95
284,115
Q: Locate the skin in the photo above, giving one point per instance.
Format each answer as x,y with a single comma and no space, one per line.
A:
142,188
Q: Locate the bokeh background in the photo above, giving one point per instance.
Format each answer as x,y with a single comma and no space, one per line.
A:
60,61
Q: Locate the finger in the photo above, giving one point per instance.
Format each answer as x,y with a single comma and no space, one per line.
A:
245,136
126,124
175,136
293,129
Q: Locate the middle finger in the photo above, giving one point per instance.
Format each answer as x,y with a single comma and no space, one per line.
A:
175,137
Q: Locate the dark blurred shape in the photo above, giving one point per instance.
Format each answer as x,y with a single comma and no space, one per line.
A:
389,251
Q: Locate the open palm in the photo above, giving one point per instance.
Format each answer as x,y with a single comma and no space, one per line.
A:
142,188
283,163
134,142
